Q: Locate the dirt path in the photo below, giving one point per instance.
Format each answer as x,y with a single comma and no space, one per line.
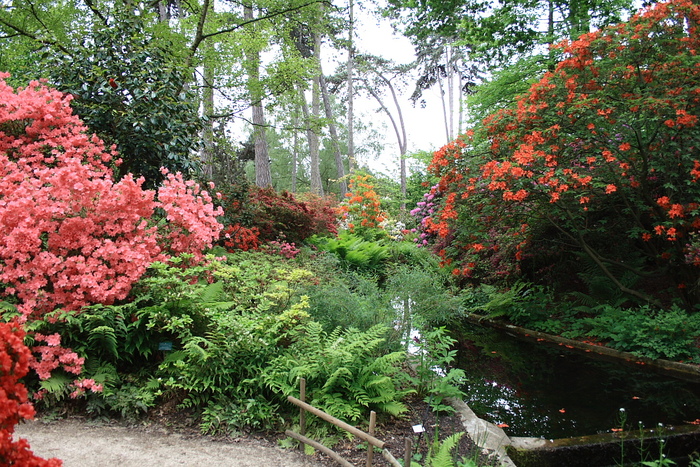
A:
80,444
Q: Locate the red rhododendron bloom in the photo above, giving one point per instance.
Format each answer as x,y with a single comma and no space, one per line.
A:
14,405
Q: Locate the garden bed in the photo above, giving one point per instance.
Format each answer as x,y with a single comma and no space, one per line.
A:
393,431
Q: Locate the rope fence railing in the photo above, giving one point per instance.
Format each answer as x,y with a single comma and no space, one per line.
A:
368,437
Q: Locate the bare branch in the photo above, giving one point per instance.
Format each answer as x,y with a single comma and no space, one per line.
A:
96,12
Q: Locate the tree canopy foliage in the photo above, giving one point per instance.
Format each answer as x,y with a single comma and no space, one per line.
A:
140,71
499,32
129,88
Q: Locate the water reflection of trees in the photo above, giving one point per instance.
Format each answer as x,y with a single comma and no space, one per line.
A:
543,391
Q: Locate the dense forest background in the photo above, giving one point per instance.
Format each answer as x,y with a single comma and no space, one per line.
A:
169,82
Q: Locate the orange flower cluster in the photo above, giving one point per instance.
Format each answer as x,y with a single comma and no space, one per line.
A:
362,208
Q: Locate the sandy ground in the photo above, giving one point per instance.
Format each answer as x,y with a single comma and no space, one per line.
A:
80,444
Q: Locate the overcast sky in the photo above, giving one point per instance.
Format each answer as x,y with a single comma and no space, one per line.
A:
424,125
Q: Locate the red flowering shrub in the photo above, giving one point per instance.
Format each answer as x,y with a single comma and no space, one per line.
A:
601,158
14,405
323,213
237,237
192,225
280,215
69,234
266,216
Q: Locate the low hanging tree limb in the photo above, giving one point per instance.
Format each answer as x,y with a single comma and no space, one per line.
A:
200,35
22,32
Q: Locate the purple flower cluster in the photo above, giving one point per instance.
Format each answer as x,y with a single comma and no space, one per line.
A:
423,211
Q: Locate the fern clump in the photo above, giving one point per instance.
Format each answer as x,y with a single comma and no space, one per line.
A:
346,373
356,252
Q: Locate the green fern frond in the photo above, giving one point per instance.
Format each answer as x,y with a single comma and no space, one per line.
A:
361,397
106,338
339,376
394,408
195,350
176,356
443,458
57,384
212,292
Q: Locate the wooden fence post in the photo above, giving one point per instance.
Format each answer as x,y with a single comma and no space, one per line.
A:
369,437
408,454
370,448
302,411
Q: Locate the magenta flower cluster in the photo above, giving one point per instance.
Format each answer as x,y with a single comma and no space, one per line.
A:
423,211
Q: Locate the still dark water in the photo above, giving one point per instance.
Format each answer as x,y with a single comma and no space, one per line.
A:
551,392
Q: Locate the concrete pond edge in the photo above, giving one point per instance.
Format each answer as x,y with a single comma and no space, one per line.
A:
487,436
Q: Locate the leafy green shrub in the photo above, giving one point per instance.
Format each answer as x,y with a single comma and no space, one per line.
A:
147,111
351,300
426,293
407,252
646,331
434,379
250,314
523,304
130,400
115,344
223,320
106,333
225,415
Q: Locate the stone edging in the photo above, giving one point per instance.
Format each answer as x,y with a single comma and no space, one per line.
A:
486,435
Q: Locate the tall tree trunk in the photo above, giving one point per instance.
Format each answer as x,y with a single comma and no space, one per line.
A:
163,11
460,118
207,153
444,107
351,57
399,129
312,139
340,166
314,143
263,177
295,150
550,35
449,69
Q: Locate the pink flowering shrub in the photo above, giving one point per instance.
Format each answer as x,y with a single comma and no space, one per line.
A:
14,404
284,249
46,358
70,235
191,216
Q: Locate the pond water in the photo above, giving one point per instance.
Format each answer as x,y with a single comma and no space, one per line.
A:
534,389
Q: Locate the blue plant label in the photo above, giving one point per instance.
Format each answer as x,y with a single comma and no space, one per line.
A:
165,346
